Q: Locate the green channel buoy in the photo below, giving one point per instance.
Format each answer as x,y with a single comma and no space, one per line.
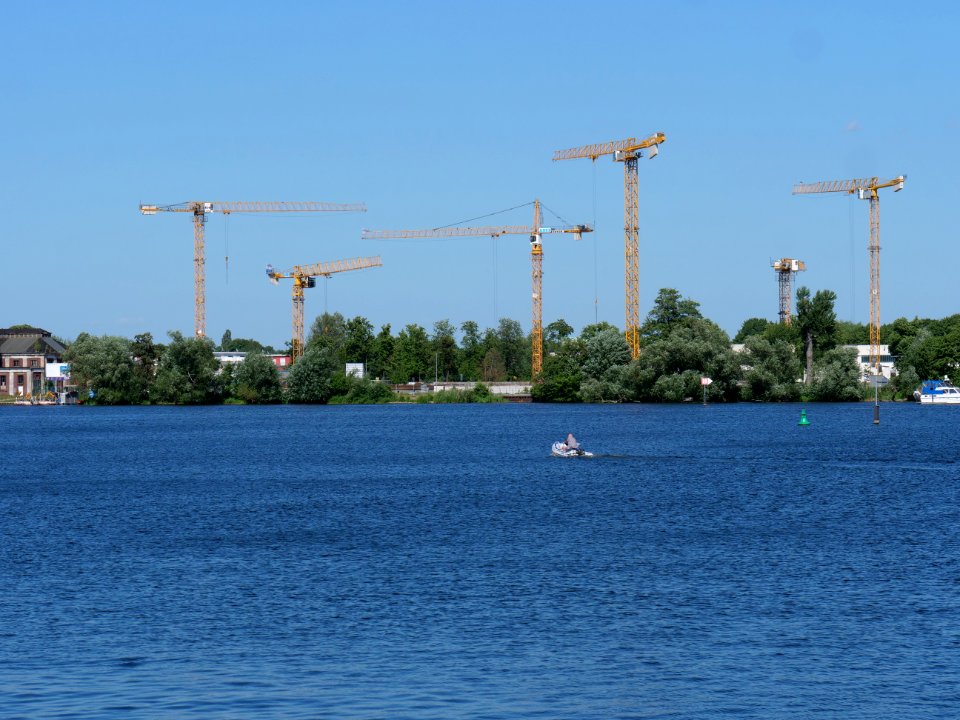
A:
803,418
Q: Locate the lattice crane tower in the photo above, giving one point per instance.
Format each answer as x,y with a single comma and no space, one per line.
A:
626,151
866,189
786,269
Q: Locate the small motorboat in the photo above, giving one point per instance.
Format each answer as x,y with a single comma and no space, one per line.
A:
560,449
937,392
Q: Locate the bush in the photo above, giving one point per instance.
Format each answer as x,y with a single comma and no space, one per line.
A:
836,377
480,393
257,380
363,392
310,377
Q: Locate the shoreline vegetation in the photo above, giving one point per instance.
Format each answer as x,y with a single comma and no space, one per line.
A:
804,361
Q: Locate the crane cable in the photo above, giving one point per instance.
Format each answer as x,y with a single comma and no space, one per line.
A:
853,264
226,247
493,241
496,311
596,297
481,217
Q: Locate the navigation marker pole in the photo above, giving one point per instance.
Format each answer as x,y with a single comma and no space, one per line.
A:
876,400
705,381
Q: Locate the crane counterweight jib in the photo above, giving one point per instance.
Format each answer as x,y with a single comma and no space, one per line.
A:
856,185
199,207
624,147
325,269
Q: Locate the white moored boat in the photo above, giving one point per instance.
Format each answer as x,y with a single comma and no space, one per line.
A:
937,392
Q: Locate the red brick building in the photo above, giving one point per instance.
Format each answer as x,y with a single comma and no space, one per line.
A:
24,354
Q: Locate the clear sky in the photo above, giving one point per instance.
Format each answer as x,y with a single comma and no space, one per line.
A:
431,113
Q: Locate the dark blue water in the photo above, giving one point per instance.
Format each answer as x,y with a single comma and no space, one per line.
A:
436,562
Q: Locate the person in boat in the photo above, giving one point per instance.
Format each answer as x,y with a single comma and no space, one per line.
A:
571,444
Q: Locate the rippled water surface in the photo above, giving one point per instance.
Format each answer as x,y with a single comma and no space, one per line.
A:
436,562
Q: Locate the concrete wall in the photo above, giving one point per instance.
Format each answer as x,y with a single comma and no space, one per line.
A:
497,388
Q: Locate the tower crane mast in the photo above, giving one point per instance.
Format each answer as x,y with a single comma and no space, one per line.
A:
535,232
865,189
786,269
626,151
304,276
201,209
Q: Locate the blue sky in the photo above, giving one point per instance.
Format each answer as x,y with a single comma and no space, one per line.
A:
435,112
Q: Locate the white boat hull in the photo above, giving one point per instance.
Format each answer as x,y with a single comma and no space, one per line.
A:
561,450
935,392
950,399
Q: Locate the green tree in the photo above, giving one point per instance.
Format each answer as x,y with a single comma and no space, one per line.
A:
560,380
555,334
362,391
772,370
187,372
310,378
358,343
751,326
411,355
851,333
381,353
605,349
471,351
786,333
837,377
905,382
514,347
146,358
329,331
257,380
817,323
670,311
671,365
901,332
606,357
615,385
445,348
105,366
929,349
589,331
493,368
228,343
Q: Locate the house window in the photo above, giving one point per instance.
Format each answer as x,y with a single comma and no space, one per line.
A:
34,362
20,380
17,362
3,383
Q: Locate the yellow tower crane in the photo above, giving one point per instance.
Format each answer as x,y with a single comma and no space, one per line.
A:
304,276
866,189
534,231
200,211
626,151
786,269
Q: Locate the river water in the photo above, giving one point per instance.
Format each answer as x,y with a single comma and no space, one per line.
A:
435,562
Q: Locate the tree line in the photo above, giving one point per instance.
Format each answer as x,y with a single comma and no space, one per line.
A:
112,370
680,347
804,360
